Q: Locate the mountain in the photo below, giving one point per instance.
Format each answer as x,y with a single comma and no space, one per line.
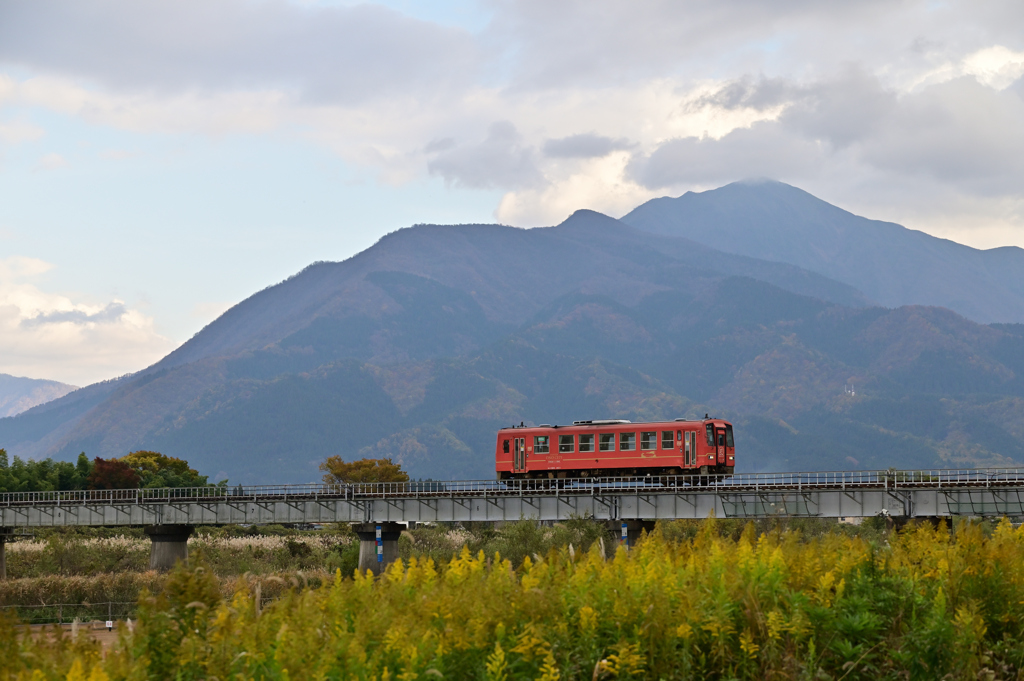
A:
890,264
422,346
19,394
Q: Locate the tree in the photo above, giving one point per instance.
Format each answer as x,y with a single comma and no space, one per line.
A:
337,471
112,474
158,470
42,476
137,469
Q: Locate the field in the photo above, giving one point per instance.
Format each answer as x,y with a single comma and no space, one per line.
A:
713,599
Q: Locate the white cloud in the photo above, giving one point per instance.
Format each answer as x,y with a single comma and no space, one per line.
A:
16,132
51,161
49,335
598,184
995,66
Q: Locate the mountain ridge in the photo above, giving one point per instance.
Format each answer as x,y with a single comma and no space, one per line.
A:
889,263
423,345
19,394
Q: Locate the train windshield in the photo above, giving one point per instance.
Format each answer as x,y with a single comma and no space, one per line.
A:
728,436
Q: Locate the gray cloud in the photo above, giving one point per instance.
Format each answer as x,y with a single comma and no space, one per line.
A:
337,54
763,150
958,132
606,41
759,93
499,161
585,145
840,110
108,315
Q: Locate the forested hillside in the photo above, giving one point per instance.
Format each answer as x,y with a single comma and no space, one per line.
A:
422,346
891,264
19,394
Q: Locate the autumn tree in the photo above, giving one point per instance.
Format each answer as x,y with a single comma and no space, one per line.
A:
337,471
159,470
112,474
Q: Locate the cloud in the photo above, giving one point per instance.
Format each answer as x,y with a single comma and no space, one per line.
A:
21,267
995,66
763,150
51,161
16,132
112,313
915,101
959,133
599,183
49,335
501,160
749,92
584,145
323,54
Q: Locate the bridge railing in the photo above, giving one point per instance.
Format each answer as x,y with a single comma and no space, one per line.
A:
807,480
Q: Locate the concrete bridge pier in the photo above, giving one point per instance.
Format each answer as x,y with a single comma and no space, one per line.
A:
378,545
5,532
169,545
634,529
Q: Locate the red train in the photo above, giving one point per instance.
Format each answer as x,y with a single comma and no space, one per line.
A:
616,448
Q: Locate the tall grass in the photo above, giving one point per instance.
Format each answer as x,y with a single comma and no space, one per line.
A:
922,604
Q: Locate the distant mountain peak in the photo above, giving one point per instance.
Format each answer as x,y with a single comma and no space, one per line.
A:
889,263
18,394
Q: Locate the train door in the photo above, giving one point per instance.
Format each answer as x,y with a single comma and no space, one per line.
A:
519,455
688,443
720,442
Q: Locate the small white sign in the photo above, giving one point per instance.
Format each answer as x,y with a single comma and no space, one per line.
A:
110,625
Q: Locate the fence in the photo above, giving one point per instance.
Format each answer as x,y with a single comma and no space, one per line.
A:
62,613
65,613
888,479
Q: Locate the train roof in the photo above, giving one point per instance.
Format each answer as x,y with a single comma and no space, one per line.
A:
604,423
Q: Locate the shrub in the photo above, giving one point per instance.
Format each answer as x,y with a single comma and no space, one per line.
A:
710,603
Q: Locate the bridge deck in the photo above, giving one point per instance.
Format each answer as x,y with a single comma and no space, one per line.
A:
816,494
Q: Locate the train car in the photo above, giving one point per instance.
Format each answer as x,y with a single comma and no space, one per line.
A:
614,448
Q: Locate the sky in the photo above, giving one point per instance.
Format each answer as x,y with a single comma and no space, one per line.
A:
162,161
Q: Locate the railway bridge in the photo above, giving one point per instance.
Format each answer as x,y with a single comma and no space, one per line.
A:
376,510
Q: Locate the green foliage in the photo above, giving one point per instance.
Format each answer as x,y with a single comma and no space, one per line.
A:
157,470
43,476
137,469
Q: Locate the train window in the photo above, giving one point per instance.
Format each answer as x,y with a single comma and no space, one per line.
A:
728,437
586,443
566,443
504,446
606,442
627,442
649,440
666,440
710,430
540,444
